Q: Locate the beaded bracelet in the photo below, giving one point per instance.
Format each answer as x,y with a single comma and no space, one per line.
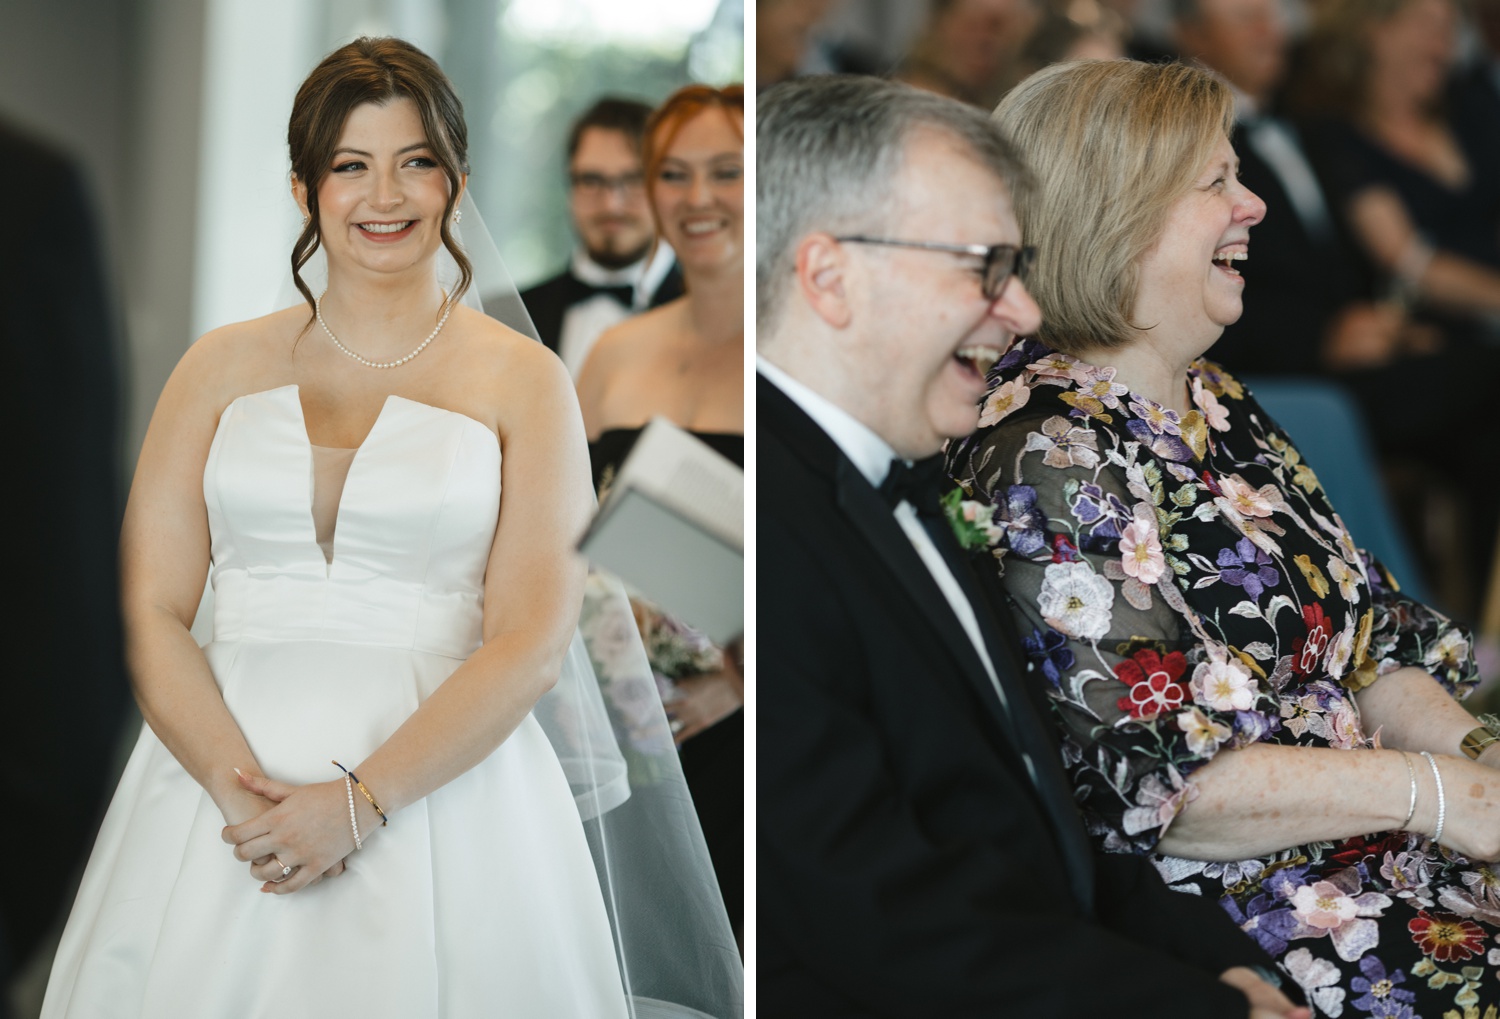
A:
353,821
361,786
1437,836
1411,774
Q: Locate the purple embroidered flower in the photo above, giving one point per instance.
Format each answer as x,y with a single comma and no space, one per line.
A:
1247,566
1265,920
1168,447
1023,523
1378,988
1102,511
1252,727
1019,353
1049,651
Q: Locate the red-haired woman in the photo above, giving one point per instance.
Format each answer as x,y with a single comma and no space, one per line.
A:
685,361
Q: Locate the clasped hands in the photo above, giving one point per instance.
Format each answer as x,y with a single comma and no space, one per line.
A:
303,827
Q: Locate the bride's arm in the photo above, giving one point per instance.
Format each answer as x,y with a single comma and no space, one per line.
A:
533,592
164,553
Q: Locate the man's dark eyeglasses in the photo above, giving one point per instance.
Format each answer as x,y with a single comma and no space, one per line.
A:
598,184
1001,261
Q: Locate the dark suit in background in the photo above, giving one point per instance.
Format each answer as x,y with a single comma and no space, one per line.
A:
908,866
549,301
64,690
1301,274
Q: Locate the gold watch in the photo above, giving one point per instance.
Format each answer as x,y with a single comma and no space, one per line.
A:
1474,743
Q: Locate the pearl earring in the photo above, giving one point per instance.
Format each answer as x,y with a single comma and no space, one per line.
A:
458,214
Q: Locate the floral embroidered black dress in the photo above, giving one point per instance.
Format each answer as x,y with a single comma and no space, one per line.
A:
1183,585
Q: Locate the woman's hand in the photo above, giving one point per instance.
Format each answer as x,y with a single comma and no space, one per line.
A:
306,828
1265,1000
703,700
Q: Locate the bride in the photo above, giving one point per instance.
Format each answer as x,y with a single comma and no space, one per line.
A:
379,604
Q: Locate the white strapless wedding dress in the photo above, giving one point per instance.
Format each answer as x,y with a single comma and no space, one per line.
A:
480,900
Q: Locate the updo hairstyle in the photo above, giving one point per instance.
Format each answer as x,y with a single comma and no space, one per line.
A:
374,71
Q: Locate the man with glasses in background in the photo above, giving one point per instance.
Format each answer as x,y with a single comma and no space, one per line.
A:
614,272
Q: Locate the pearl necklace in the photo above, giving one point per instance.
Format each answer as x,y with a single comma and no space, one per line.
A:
318,311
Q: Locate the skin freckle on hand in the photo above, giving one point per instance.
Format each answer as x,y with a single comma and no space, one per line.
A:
1476,790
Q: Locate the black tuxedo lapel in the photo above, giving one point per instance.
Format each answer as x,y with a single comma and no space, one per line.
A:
857,499
1022,729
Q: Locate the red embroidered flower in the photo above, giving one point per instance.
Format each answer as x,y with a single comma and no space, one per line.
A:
1307,651
1447,937
1212,483
1352,850
1153,681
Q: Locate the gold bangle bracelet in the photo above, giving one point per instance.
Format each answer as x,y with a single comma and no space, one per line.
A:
361,787
1474,742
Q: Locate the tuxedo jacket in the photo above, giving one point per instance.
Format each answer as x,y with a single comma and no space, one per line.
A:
64,682
549,301
1296,282
908,864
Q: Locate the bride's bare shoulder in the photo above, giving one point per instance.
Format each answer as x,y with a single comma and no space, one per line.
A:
239,358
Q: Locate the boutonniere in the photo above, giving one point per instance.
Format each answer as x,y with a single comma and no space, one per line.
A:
973,522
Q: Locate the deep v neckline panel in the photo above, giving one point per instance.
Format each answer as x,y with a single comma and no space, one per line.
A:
415,521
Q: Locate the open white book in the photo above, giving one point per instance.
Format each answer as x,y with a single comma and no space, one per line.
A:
672,526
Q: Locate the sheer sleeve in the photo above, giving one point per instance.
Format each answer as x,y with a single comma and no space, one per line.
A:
1405,633
1082,531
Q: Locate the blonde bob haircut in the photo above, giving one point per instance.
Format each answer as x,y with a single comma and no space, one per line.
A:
1112,145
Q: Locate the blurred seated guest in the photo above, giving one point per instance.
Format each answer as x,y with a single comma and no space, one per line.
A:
1074,30
969,48
1310,307
65,689
1219,656
920,851
783,38
685,361
1424,204
1476,98
1423,200
614,272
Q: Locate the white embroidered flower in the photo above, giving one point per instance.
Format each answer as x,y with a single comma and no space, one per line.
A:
1346,579
1203,734
1223,683
1076,601
1450,652
1007,399
1341,648
1319,980
1140,548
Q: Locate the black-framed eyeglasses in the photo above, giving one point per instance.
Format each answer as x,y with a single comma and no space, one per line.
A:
1001,261
597,185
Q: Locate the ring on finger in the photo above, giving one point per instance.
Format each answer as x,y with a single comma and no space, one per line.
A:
286,871
677,725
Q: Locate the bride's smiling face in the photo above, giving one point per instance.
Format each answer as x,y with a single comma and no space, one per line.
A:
381,205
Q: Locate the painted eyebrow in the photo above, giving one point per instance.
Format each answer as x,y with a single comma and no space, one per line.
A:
400,152
721,157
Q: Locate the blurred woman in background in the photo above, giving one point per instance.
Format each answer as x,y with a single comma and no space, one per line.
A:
685,361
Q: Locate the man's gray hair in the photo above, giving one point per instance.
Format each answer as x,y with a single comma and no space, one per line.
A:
828,149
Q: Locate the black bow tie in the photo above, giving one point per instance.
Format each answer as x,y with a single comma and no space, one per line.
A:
920,484
623,293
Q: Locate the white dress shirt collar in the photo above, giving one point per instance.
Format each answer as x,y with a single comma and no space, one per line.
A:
871,454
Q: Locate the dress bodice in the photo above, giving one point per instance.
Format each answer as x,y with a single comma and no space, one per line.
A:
415,523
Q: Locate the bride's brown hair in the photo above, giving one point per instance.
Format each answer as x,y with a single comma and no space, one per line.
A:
375,71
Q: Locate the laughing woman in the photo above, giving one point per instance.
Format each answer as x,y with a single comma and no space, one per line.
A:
1242,693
